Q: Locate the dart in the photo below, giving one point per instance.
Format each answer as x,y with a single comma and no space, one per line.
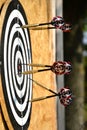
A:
58,68
65,28
57,21
65,95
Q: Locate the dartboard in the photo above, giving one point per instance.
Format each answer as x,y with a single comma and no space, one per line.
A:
16,49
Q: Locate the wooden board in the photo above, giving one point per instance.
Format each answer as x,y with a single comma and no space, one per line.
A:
43,116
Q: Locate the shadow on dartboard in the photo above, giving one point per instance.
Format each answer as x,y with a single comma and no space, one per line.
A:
15,47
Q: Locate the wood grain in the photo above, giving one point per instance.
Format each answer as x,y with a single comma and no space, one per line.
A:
43,116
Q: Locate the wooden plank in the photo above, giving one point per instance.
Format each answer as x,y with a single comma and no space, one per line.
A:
43,116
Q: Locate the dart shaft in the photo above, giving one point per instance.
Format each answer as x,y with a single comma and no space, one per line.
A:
42,98
35,25
42,28
35,71
43,86
41,24
37,65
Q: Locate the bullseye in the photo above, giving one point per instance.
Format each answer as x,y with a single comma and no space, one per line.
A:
19,67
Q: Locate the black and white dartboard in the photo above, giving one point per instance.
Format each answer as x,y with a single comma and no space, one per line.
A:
15,50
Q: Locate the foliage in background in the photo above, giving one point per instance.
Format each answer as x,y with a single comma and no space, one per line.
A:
75,12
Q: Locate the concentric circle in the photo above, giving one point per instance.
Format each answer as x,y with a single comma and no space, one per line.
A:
15,48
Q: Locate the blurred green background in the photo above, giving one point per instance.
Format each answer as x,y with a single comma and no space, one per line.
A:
75,50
